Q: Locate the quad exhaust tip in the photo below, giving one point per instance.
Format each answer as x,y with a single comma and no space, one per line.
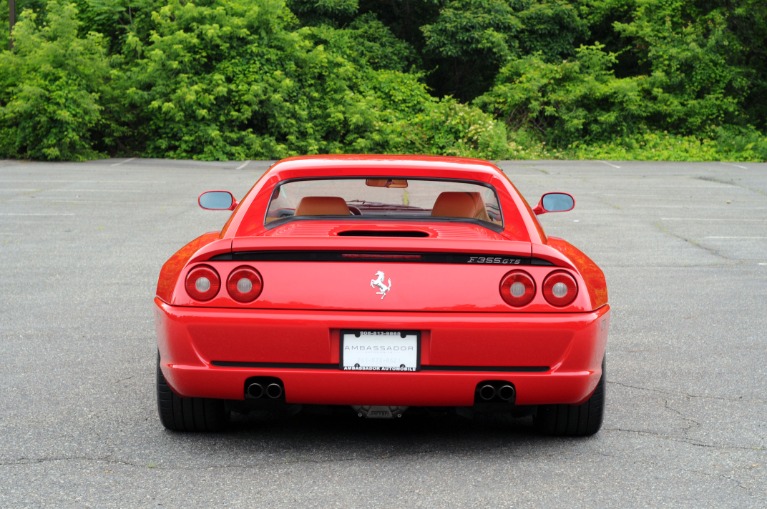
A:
494,391
487,392
274,391
255,390
506,392
264,388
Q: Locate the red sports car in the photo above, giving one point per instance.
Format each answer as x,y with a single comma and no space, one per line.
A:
382,283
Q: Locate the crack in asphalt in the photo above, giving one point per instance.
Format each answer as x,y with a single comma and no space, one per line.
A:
694,243
737,482
689,441
40,461
683,416
153,466
686,394
732,183
723,476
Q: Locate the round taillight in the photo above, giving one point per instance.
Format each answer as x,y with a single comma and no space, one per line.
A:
244,284
517,288
559,289
202,283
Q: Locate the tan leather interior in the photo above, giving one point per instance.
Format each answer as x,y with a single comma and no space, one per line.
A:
460,204
322,206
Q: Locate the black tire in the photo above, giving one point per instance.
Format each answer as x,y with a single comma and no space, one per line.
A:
574,420
188,414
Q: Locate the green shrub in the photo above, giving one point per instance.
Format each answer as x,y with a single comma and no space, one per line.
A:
51,86
728,146
448,127
741,144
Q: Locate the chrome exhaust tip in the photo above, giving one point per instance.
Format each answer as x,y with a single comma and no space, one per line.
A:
255,390
487,392
506,392
274,390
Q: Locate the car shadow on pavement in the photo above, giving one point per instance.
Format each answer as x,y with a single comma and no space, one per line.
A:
340,431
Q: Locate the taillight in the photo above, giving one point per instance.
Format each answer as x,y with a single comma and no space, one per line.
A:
560,289
202,283
244,284
517,288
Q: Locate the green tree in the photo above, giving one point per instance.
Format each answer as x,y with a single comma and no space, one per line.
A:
194,78
686,55
21,6
238,79
328,12
51,87
366,42
405,17
470,41
747,21
113,18
572,101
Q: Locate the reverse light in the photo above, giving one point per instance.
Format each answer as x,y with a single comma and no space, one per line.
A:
244,284
517,288
202,283
559,289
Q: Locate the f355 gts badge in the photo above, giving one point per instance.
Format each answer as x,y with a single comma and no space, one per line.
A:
378,282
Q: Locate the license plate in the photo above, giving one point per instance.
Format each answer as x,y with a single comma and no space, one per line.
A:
379,351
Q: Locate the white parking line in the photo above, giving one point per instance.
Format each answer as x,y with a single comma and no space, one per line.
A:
735,165
51,181
697,207
96,191
609,164
122,162
713,219
734,237
22,214
243,165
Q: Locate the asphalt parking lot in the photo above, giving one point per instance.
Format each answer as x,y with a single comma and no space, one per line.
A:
684,248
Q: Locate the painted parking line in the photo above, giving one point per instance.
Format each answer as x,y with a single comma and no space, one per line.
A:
697,207
609,164
243,165
122,162
137,191
718,237
110,181
713,219
35,214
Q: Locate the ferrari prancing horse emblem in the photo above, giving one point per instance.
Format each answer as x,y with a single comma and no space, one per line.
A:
379,282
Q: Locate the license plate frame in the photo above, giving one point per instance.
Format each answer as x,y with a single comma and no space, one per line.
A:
380,350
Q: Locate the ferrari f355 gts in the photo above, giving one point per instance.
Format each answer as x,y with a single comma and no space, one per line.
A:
382,283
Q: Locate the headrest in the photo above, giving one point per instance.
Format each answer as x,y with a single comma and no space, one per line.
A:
322,206
460,204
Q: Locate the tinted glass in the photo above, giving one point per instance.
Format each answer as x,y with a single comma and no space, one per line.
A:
557,202
382,198
216,200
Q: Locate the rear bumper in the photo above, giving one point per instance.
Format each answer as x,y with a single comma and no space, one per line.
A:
549,358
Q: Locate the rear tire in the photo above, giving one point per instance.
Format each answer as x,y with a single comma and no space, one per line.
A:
188,414
574,420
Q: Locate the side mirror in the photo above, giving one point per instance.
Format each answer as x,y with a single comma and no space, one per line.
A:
554,202
217,200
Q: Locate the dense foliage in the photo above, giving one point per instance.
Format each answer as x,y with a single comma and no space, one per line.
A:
251,79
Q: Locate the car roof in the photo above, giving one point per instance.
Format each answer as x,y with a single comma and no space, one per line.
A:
385,165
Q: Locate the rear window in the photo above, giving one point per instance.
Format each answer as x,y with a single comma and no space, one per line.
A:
384,198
